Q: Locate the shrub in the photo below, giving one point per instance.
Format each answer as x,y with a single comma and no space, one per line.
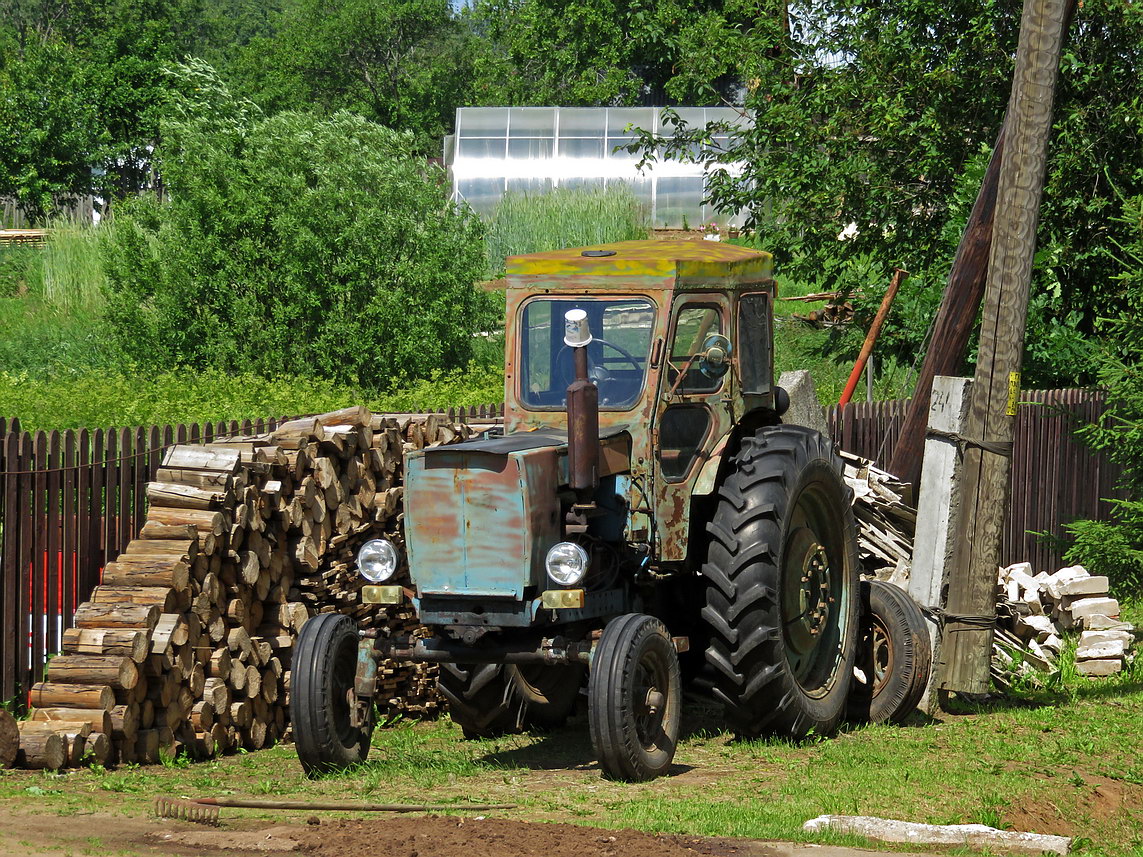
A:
293,244
564,217
1115,547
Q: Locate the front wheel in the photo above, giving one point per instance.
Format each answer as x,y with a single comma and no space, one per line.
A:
323,697
634,694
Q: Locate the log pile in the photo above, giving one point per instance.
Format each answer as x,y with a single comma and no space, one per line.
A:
186,644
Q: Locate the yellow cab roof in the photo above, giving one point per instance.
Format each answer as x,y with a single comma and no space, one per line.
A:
674,260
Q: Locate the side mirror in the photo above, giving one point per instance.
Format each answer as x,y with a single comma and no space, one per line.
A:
715,358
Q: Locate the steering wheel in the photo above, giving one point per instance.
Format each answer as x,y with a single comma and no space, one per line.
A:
598,374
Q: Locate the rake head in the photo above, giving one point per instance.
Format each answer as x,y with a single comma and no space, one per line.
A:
186,810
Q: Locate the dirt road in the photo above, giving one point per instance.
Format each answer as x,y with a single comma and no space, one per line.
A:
49,835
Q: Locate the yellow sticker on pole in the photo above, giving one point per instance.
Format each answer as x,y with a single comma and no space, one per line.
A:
1013,392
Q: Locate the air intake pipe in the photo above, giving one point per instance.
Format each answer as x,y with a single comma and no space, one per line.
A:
583,411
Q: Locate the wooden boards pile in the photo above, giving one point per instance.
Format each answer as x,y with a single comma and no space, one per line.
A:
186,644
885,521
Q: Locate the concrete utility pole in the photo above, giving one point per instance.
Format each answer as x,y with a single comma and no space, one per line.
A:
987,442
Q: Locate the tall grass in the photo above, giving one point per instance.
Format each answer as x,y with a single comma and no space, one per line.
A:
51,303
72,273
565,217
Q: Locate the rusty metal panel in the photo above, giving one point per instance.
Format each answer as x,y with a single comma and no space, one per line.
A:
480,523
702,261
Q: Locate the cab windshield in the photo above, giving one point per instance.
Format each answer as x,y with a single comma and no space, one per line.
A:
617,356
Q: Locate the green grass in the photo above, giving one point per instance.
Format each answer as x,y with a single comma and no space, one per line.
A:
117,397
532,223
1068,759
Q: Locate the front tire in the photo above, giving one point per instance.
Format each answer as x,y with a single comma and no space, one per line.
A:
324,666
781,593
634,694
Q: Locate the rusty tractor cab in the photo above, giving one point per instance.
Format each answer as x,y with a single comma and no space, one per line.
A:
642,506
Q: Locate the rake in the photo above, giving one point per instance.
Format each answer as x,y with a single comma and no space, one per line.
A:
206,810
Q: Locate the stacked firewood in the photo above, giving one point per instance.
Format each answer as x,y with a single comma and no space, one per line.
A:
186,644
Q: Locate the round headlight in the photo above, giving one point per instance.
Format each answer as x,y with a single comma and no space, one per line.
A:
566,563
377,560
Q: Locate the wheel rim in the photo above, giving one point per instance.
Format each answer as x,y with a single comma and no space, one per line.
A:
650,689
343,694
814,597
882,655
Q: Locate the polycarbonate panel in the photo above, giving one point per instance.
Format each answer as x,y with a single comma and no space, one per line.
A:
613,149
581,148
482,194
482,122
535,149
530,148
581,122
480,147
618,118
532,122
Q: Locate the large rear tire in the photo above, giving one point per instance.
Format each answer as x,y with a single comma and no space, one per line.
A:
482,699
322,696
551,692
634,692
781,594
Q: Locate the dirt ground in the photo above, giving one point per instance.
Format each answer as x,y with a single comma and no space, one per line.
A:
43,835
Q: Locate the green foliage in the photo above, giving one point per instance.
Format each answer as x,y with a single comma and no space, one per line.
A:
50,135
402,63
121,396
51,303
835,149
1115,547
604,52
319,247
565,217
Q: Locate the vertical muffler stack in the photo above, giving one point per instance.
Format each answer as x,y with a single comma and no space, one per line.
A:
583,411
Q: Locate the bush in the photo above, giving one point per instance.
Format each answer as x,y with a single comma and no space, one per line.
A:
292,244
1115,547
564,217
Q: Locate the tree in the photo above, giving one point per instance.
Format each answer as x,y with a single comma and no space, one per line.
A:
401,63
608,52
1115,547
883,116
50,135
320,247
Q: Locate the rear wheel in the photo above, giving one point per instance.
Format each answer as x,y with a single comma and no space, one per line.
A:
634,694
551,692
781,594
896,657
482,699
323,696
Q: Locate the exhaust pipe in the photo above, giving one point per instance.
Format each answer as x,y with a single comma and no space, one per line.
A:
583,411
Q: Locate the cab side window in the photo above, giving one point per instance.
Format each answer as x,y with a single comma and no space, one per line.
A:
692,328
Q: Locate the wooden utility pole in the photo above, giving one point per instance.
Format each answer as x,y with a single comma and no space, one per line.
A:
987,443
955,321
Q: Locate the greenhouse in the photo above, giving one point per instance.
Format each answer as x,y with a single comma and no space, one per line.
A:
535,149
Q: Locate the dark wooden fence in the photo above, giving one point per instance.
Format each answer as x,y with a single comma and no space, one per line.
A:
1055,478
70,501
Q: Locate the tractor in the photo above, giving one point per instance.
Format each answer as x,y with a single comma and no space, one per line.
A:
643,516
